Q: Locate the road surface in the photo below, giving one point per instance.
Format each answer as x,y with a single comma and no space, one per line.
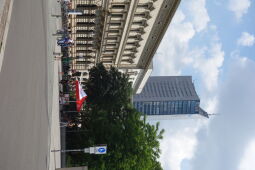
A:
24,119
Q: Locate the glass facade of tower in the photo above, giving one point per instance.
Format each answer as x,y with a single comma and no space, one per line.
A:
167,107
164,96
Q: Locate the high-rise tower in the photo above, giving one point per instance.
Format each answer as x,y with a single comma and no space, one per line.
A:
167,97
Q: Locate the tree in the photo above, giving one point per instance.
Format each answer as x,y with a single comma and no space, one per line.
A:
109,118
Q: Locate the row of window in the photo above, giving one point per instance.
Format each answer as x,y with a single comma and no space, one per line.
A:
122,6
167,107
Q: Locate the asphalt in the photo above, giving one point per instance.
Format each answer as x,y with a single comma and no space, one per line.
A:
24,118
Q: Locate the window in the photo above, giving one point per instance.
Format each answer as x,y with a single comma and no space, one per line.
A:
172,107
140,15
138,23
116,15
86,16
107,61
153,108
157,107
180,108
112,38
115,23
85,31
188,107
149,108
84,51
111,45
137,30
161,107
118,6
130,49
83,62
113,31
109,51
142,5
84,38
146,5
145,108
86,6
137,105
176,107
82,44
169,107
197,107
133,37
184,107
193,105
107,56
87,24
165,108
132,43
140,107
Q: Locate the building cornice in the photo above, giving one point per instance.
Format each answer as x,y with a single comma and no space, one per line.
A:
164,18
127,27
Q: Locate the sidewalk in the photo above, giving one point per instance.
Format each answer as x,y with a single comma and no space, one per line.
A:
54,66
54,157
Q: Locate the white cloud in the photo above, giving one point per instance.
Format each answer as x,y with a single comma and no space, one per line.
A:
209,61
173,47
211,105
210,68
235,55
246,39
199,15
239,7
173,55
247,162
180,146
179,142
222,148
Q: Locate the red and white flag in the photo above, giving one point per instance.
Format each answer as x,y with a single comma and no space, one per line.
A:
80,95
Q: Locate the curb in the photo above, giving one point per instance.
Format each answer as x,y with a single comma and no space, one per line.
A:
5,34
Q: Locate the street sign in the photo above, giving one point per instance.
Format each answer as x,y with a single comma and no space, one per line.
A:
91,150
96,150
100,150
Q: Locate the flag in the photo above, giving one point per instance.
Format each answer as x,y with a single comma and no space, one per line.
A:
80,95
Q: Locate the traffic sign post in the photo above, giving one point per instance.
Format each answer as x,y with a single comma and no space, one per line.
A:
99,150
96,150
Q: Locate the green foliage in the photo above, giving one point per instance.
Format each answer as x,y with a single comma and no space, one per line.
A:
109,118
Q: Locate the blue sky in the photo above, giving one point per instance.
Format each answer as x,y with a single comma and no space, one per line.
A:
214,41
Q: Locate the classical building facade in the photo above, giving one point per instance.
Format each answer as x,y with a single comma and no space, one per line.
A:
120,33
167,97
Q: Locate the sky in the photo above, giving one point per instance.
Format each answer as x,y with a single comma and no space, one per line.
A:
214,41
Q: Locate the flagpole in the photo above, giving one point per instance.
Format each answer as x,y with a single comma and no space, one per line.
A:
71,101
69,150
81,111
80,95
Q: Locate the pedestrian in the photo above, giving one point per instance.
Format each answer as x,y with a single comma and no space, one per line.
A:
64,1
77,74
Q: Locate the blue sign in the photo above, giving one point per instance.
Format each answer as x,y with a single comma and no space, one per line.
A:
101,150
